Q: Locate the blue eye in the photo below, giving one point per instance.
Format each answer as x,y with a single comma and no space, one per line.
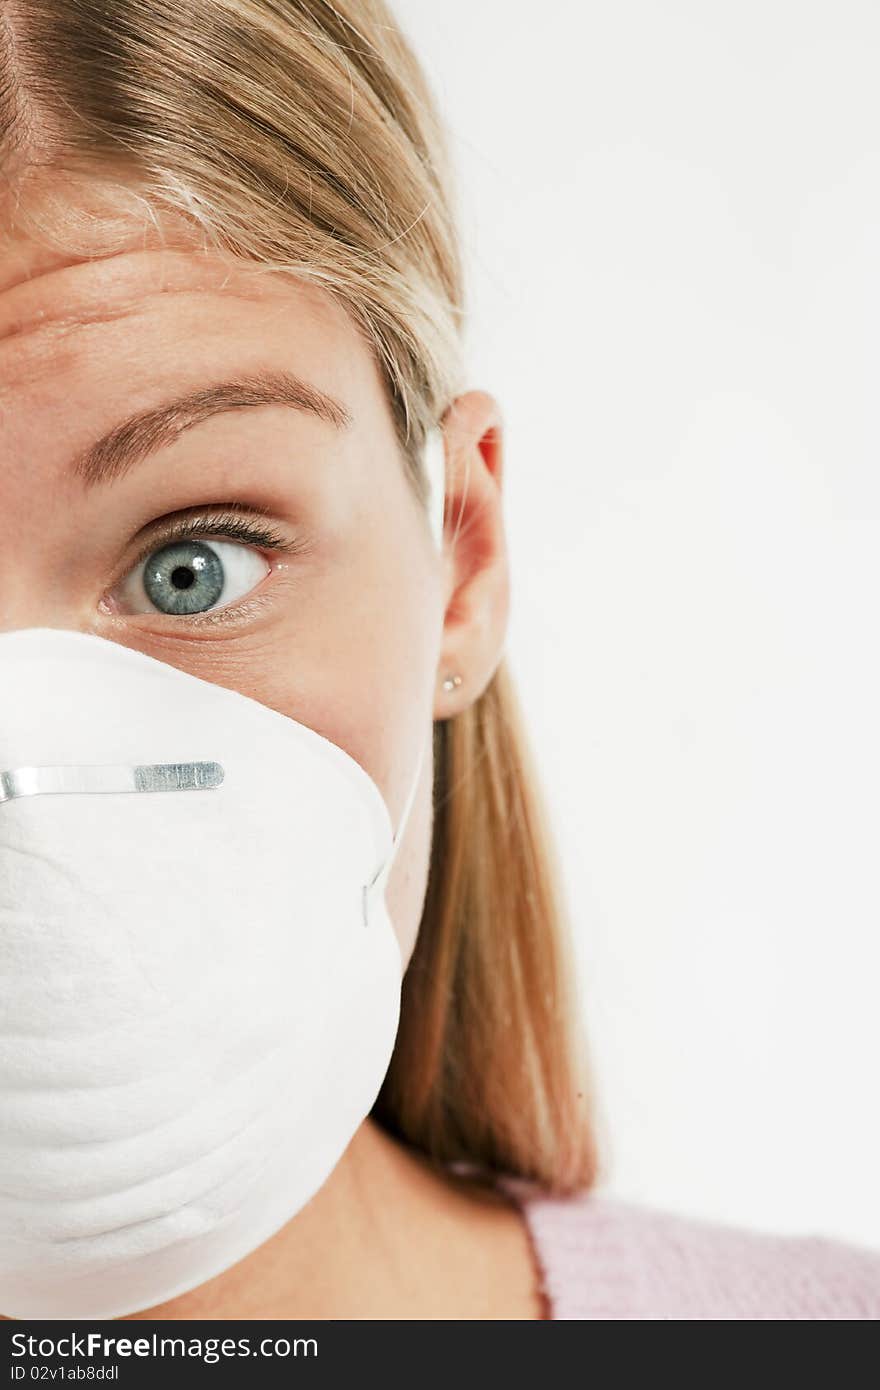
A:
189,576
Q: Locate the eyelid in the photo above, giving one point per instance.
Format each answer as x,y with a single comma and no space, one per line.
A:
231,520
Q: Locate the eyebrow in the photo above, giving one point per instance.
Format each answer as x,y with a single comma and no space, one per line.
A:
132,441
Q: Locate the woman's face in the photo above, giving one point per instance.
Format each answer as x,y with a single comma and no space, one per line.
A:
346,618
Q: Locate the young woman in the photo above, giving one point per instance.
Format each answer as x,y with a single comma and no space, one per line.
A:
231,306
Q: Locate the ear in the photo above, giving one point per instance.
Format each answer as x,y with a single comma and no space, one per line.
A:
477,583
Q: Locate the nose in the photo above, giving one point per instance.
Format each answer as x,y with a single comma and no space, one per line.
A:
47,577
17,617
29,591
36,590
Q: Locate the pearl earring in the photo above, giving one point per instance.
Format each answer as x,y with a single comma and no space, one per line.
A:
452,683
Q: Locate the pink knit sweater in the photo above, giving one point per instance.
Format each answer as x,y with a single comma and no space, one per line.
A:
601,1257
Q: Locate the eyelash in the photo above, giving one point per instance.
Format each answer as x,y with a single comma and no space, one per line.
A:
227,522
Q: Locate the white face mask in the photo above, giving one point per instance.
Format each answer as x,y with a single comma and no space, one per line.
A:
199,979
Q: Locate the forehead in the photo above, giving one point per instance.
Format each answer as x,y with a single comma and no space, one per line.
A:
85,344
63,316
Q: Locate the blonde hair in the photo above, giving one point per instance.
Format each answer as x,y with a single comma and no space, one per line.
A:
302,136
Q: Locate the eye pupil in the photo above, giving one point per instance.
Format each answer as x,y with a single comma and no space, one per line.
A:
181,577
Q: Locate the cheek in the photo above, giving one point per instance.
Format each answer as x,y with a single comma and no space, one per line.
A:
350,649
359,664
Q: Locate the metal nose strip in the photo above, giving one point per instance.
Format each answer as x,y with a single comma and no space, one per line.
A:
109,777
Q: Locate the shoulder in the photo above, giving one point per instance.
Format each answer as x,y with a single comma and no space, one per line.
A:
602,1257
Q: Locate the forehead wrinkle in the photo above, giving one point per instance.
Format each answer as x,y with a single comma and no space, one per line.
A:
59,325
101,289
50,344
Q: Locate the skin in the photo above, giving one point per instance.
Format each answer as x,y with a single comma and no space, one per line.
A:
367,606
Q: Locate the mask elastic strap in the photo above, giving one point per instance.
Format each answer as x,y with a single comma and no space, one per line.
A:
434,464
378,882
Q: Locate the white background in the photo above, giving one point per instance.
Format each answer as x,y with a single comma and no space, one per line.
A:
671,214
